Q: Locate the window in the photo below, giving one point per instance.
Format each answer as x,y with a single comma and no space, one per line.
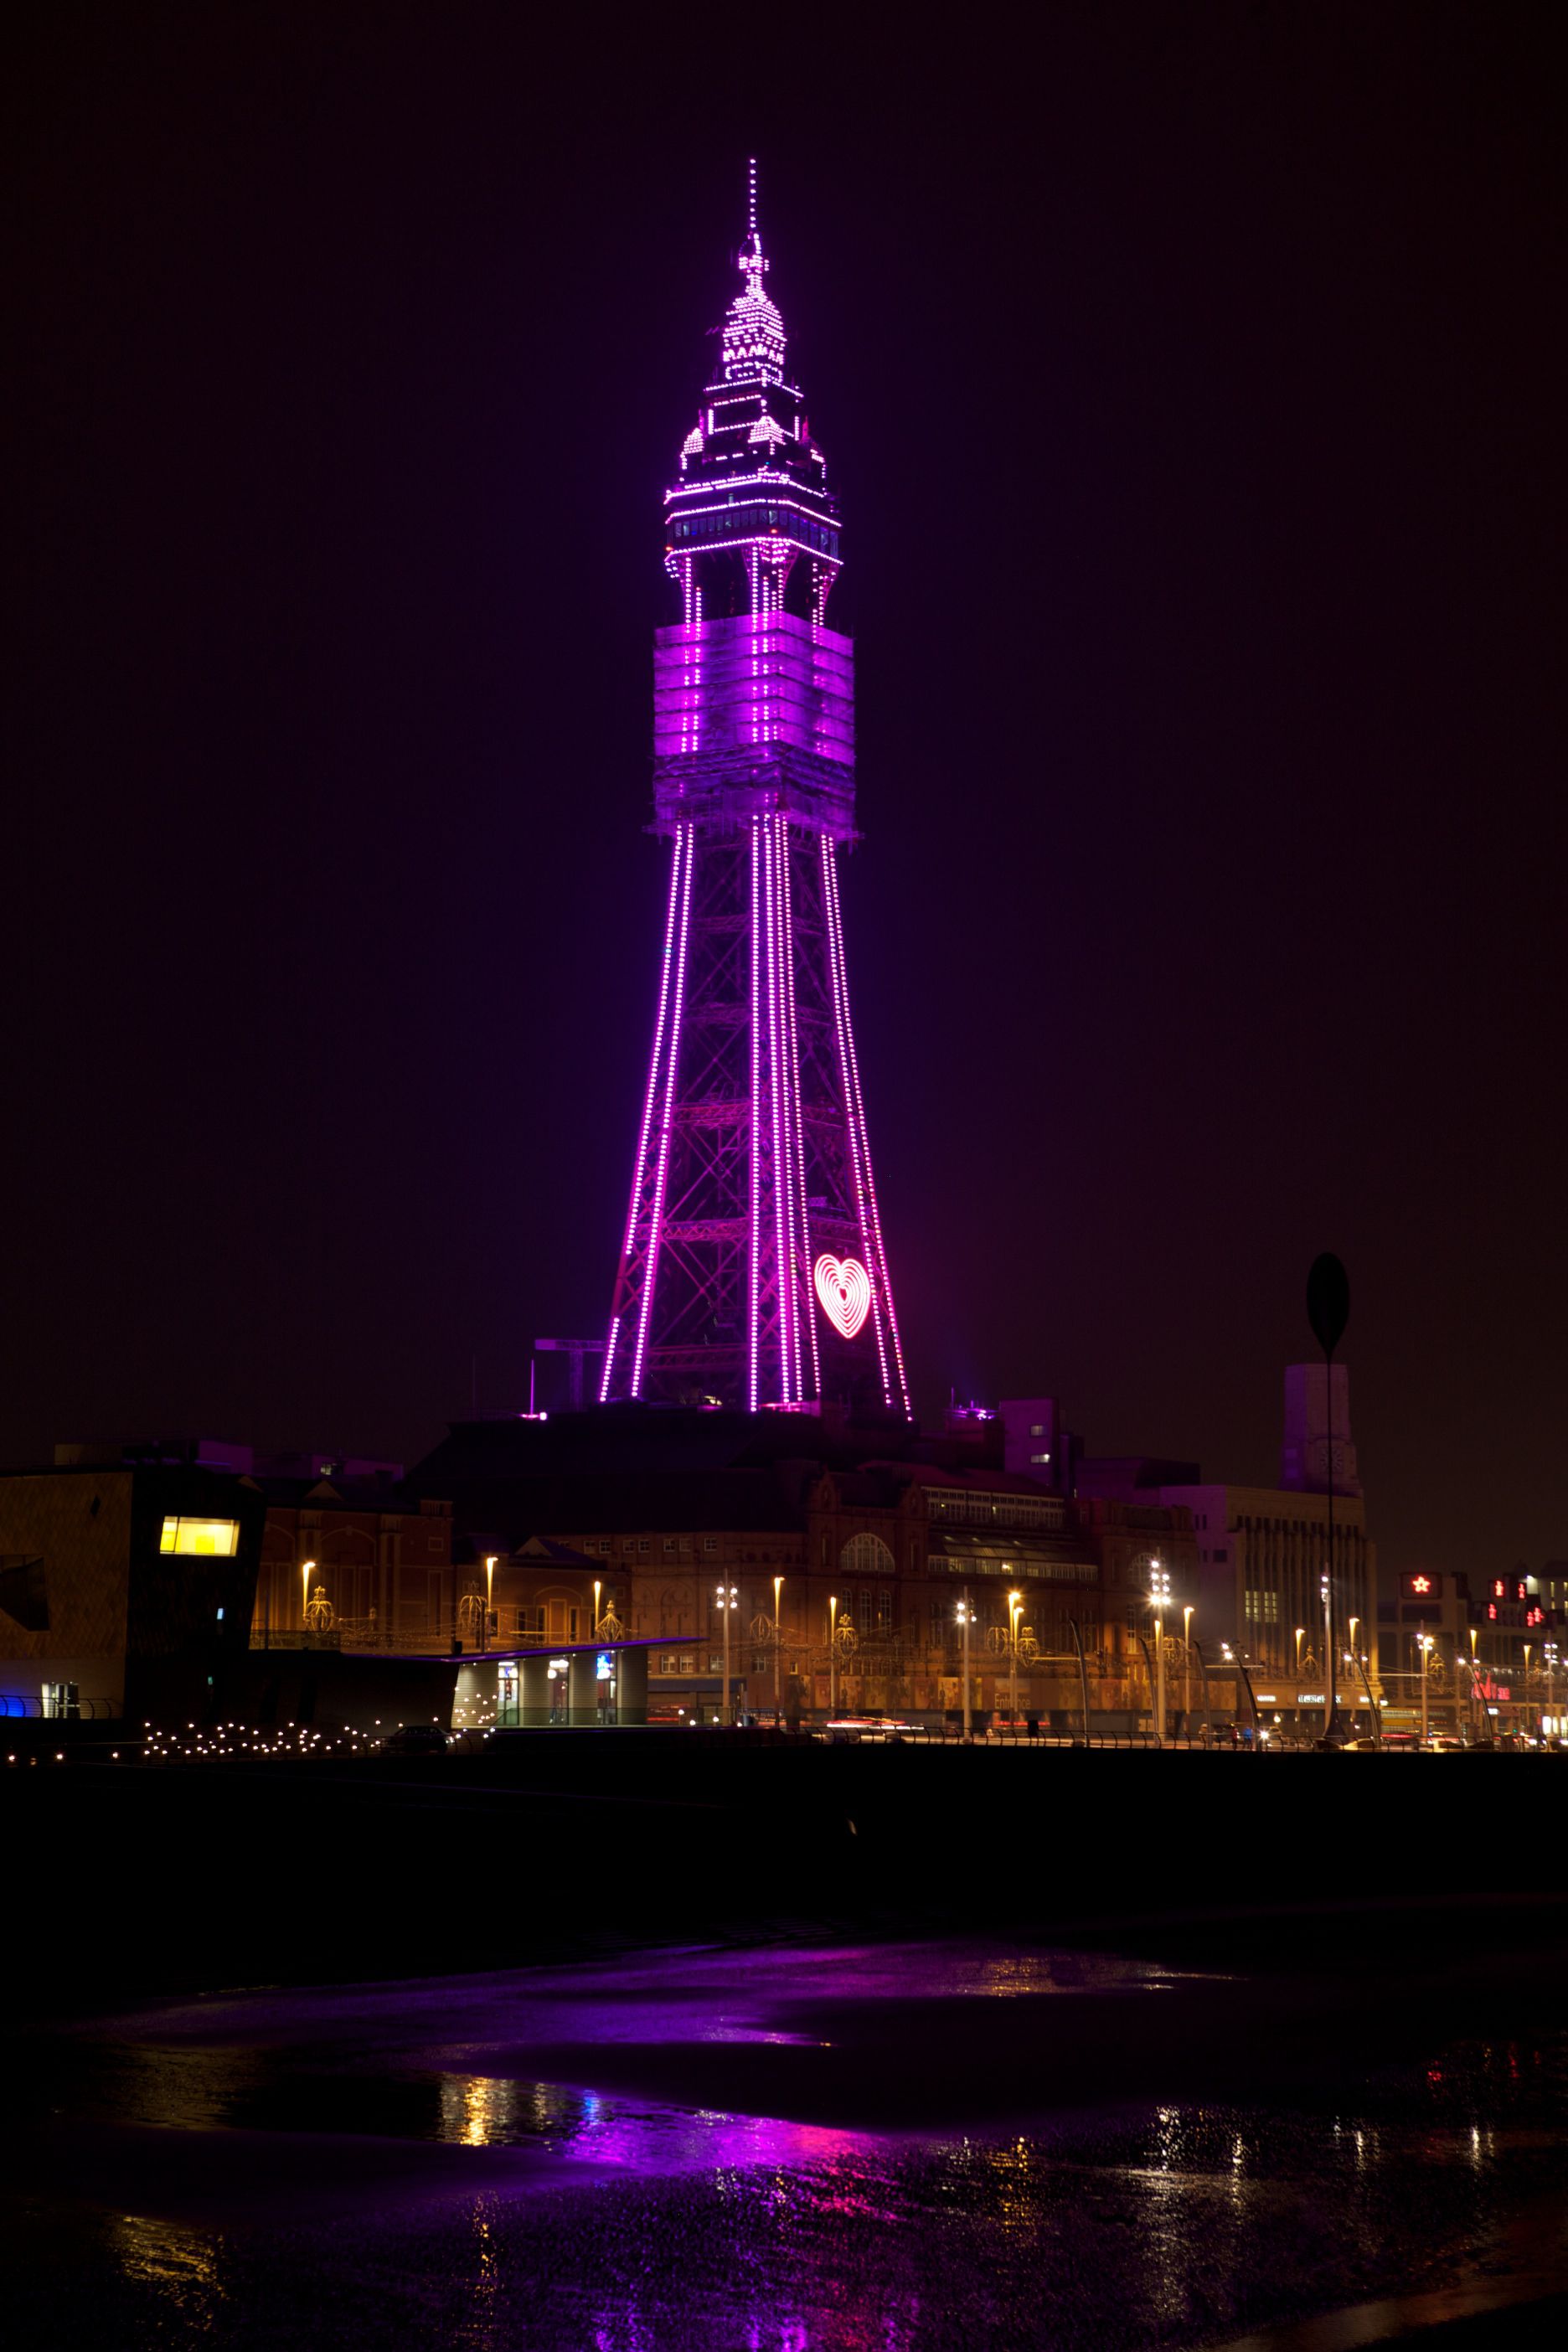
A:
643,1543
1036,1429
866,1555
669,1543
1039,1457
208,1538
863,1608
710,1543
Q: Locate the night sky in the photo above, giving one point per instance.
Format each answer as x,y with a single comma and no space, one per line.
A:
1193,381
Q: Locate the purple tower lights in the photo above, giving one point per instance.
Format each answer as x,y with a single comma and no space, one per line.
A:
753,1270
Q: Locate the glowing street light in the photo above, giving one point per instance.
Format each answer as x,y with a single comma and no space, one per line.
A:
1424,1645
306,1566
1301,1637
1158,1601
1187,1670
1015,1606
778,1645
728,1602
965,1617
489,1594
831,1655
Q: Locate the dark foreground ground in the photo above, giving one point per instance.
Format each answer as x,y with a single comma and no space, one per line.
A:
925,2050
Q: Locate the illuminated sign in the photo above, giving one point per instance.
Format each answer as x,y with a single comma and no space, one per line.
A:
1267,1698
1491,1612
1420,1588
1499,1590
1522,1589
844,1287
1311,1698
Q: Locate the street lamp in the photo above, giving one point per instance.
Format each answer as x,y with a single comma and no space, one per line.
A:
305,1568
1330,1694
831,1655
965,1615
1424,1643
728,1602
1014,1605
1187,1670
489,1594
1158,1601
778,1644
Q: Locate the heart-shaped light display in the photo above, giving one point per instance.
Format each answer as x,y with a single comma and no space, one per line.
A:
844,1287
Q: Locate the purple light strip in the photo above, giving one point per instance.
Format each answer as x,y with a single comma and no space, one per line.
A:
640,1171
755,1139
774,1066
841,1023
800,1272
650,1268
882,1276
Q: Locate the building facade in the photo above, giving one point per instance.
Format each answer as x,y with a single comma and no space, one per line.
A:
126,1586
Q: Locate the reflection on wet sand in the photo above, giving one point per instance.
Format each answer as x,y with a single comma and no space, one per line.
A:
436,2186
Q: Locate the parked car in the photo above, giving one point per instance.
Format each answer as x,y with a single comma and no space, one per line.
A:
416,1739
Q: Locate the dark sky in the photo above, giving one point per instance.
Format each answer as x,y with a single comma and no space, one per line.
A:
1193,380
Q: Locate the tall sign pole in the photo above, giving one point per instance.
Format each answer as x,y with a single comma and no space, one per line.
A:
1328,1311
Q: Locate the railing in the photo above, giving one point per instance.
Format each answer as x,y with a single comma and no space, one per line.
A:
21,1706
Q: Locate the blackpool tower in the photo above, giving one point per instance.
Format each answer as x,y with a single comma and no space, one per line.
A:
753,1272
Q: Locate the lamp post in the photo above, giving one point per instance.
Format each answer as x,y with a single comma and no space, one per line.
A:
1326,1587
1187,1670
489,1594
1426,1647
1160,1601
778,1645
305,1568
728,1600
831,1655
1014,1605
1350,1660
965,1617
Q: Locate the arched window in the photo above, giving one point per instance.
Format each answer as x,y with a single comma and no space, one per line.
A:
866,1555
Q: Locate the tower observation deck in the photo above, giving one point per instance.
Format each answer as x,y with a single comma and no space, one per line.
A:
752,1270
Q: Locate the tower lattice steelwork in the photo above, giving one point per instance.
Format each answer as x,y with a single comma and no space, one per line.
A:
752,1270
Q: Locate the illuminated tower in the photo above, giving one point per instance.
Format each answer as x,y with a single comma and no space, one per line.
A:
751,1269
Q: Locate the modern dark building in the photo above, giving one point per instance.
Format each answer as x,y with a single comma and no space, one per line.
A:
127,1581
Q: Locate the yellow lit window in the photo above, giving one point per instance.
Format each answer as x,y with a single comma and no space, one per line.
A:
212,1538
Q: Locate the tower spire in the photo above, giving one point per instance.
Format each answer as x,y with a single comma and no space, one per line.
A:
752,261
